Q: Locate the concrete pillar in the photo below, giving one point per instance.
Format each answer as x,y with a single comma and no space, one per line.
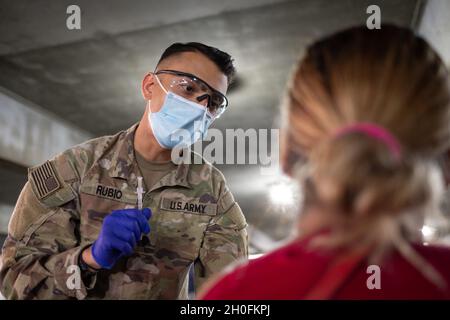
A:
435,26
5,213
29,135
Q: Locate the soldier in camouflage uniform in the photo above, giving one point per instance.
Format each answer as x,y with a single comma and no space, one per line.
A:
60,212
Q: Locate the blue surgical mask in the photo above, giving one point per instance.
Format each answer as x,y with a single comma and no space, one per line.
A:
179,119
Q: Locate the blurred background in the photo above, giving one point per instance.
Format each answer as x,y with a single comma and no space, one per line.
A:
60,87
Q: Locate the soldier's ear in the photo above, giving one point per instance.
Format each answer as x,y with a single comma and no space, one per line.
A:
147,86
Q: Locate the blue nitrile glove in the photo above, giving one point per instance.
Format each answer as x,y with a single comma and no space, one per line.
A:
120,232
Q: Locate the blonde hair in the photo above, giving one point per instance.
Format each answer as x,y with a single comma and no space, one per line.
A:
389,77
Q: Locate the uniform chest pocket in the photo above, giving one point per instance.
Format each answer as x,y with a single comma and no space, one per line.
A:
97,201
180,225
193,206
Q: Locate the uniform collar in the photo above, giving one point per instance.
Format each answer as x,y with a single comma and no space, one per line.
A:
127,168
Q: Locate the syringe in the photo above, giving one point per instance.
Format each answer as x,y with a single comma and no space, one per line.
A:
140,192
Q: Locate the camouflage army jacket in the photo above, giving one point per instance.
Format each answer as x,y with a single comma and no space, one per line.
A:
195,220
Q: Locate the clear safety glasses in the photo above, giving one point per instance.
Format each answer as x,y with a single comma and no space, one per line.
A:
195,89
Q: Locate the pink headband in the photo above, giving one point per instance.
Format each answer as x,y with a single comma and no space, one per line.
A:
376,132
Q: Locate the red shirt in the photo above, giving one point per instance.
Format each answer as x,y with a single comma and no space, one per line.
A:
291,271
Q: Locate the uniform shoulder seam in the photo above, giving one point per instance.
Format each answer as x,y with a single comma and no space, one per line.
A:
92,149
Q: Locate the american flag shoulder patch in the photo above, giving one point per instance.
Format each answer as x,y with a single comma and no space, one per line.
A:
45,180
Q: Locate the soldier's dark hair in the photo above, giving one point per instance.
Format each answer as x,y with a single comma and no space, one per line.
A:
222,59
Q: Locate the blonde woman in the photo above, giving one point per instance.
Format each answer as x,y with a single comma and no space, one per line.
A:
367,114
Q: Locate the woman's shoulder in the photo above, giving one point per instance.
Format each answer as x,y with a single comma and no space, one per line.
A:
239,282
268,275
287,256
437,254
434,249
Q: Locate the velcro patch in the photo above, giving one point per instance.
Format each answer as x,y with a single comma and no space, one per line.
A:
45,180
170,204
104,191
108,192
